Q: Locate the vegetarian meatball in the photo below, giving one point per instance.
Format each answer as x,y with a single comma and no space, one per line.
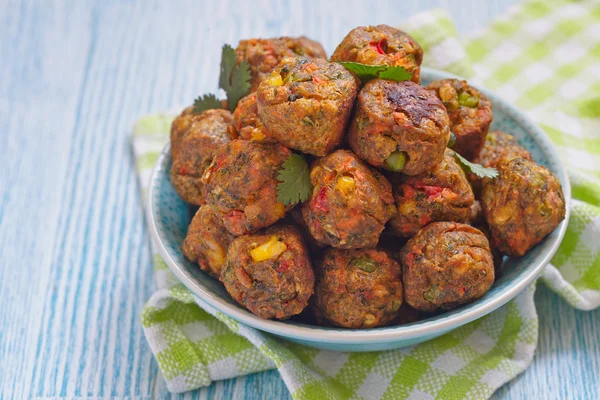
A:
247,123
499,146
522,205
470,114
399,126
441,194
241,185
207,241
381,45
357,288
444,265
306,104
195,138
263,55
350,202
269,272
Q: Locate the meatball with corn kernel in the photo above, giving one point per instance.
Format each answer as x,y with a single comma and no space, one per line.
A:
381,45
241,185
195,138
357,289
444,265
306,104
263,55
270,272
522,205
350,203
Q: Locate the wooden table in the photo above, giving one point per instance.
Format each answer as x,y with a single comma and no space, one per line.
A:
75,265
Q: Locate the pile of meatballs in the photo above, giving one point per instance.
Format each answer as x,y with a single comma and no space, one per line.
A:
394,227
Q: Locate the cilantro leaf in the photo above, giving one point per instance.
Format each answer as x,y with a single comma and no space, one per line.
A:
366,72
228,59
206,102
294,181
477,169
234,78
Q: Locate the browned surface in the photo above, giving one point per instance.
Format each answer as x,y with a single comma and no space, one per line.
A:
522,205
469,124
350,297
263,55
403,116
311,109
241,185
351,219
381,45
442,194
247,123
499,146
444,265
275,288
207,241
195,138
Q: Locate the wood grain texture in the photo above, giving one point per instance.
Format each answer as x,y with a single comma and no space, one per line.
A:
74,254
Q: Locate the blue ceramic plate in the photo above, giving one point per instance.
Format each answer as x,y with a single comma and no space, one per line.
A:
169,220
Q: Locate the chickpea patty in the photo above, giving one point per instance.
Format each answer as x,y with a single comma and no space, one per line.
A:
357,288
399,126
350,203
522,205
470,114
207,241
263,55
269,272
441,194
241,185
306,104
195,138
381,45
444,265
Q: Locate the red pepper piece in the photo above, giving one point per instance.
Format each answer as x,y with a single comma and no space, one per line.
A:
320,202
377,47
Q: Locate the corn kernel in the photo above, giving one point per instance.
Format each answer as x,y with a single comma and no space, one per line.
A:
346,184
275,79
257,134
271,249
280,210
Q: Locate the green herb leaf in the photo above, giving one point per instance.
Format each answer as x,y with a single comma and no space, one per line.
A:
206,102
477,169
234,78
294,179
366,72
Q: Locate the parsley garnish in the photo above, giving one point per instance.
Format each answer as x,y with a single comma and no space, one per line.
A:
234,79
294,181
366,72
206,102
477,169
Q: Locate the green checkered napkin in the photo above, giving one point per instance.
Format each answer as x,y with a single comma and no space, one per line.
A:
542,55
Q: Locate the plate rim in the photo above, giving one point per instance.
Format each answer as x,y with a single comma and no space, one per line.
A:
314,333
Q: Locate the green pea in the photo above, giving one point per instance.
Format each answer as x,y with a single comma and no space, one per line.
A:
396,161
467,100
452,140
364,263
432,293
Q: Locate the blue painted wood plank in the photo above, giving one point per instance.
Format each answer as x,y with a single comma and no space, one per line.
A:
74,253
